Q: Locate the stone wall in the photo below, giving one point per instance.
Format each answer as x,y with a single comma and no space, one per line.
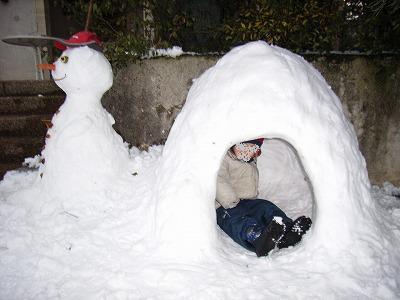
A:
147,96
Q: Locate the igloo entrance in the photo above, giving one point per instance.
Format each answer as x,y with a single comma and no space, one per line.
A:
283,180
252,194
258,90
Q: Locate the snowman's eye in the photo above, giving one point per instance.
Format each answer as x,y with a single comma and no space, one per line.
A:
64,59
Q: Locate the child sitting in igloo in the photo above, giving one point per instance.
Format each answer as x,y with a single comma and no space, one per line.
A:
256,224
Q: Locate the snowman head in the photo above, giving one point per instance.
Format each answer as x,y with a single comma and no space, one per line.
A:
82,70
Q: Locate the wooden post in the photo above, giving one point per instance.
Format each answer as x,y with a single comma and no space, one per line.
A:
89,15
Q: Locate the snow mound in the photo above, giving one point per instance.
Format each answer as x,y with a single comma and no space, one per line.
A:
254,91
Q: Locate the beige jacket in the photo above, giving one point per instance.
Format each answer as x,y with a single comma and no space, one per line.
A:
236,180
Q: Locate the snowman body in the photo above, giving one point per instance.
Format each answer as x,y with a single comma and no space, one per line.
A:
83,153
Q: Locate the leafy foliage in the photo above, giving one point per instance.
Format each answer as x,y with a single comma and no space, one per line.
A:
122,27
115,22
124,48
171,22
315,25
383,24
299,25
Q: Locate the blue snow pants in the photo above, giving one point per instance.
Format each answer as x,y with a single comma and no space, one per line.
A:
249,212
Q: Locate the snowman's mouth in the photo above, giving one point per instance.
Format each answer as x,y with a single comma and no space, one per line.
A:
57,79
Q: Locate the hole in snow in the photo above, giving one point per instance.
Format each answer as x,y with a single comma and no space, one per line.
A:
283,180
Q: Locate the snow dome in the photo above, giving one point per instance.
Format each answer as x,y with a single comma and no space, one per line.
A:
254,91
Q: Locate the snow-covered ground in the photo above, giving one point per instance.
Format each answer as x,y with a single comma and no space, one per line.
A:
97,220
48,252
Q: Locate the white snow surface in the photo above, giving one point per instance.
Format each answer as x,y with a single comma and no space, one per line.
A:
147,230
48,253
173,52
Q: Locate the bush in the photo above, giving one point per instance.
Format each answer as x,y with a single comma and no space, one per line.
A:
299,25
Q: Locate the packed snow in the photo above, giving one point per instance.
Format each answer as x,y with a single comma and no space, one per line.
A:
97,220
173,52
47,252
83,153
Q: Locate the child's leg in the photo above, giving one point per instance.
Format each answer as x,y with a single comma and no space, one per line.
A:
264,211
236,223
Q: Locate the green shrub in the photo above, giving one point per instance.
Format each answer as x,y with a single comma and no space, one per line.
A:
299,25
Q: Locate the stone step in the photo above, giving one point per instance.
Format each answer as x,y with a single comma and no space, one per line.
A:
30,104
23,106
29,87
23,125
4,167
16,149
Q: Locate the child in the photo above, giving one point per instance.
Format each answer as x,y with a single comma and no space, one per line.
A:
256,224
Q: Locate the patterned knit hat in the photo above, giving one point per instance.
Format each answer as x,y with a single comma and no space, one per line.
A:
257,142
248,150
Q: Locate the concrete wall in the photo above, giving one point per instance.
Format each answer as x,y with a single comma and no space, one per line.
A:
20,17
370,92
147,96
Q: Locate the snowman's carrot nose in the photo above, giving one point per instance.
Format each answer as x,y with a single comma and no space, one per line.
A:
50,67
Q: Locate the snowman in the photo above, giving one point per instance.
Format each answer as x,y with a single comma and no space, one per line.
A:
83,154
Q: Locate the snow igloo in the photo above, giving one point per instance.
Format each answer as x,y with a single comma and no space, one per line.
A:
258,90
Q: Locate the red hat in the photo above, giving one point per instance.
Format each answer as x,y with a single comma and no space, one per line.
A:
82,38
257,142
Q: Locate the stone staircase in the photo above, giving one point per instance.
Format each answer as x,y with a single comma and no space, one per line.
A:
23,107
